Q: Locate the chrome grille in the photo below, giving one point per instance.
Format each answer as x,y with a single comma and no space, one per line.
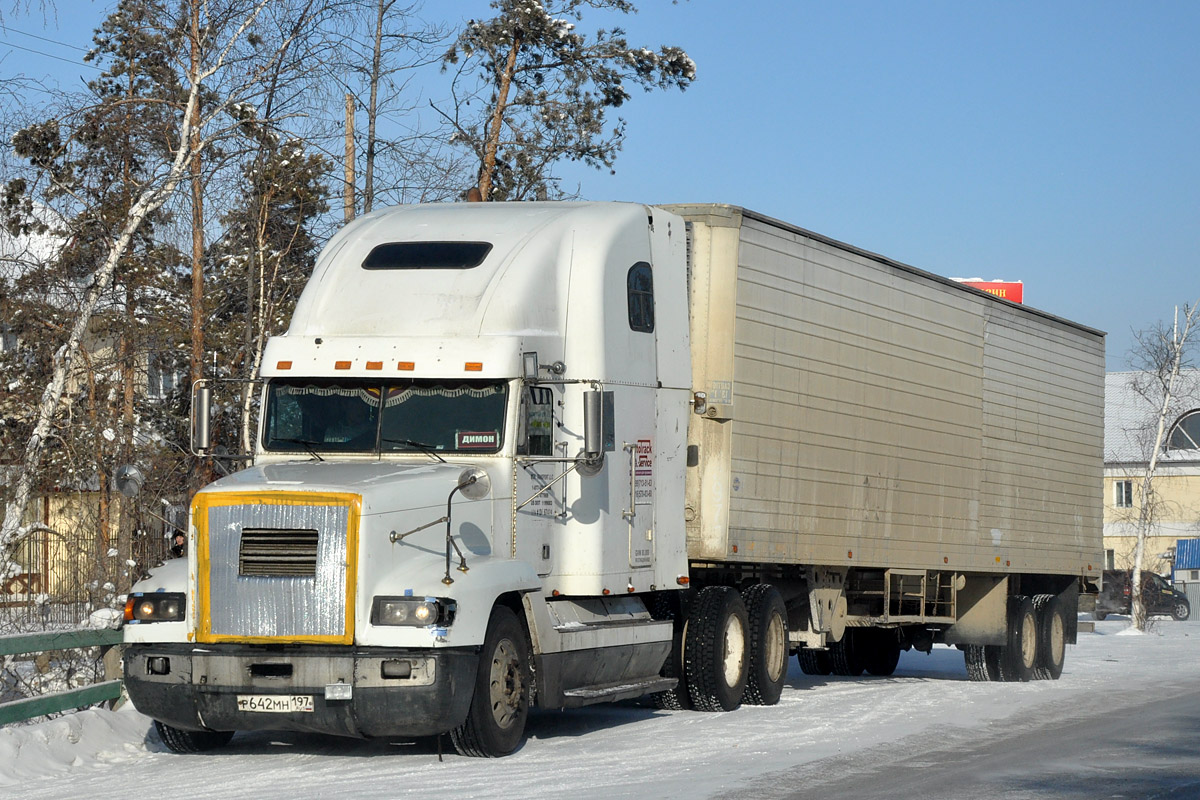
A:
271,552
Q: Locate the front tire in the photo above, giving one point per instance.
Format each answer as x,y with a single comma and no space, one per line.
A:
715,650
767,650
178,740
1181,611
495,724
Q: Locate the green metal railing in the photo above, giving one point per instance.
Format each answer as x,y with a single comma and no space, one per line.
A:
31,707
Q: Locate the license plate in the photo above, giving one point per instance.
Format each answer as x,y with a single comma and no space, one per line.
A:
275,703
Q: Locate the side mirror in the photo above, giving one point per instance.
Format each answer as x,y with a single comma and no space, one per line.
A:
201,416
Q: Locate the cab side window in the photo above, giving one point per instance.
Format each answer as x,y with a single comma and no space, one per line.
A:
640,289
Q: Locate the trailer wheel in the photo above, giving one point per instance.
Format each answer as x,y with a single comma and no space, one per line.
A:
1051,636
767,650
978,667
178,740
883,653
1181,610
846,655
715,650
495,723
813,661
1100,615
1019,655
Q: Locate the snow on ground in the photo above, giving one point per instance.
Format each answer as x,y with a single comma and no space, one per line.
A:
610,752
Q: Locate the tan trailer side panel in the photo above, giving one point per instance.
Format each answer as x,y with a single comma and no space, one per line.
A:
866,414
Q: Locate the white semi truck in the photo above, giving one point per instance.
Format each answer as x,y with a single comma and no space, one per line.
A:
554,454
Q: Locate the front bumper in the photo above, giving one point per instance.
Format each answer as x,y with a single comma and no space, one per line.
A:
196,687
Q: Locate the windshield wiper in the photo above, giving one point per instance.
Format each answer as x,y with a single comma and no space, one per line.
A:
422,446
308,445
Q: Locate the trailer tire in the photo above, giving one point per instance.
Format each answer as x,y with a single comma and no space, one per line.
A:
977,661
846,655
715,650
767,649
495,723
1100,615
1020,652
1052,637
178,740
883,653
813,661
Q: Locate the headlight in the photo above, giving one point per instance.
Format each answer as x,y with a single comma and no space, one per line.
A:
154,607
414,611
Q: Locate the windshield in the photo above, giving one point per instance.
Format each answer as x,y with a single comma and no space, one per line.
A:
343,416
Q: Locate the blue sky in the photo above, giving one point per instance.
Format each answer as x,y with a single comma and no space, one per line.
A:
1054,143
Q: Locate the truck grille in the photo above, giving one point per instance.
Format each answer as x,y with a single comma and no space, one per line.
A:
269,552
278,565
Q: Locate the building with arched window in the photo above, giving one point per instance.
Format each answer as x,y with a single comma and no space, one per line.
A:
1132,404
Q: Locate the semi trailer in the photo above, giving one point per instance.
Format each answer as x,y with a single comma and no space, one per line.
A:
517,455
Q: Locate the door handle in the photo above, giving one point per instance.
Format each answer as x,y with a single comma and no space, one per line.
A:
631,512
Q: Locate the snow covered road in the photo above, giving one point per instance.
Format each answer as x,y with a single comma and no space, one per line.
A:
823,726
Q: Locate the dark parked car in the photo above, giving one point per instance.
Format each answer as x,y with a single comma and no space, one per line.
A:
1159,595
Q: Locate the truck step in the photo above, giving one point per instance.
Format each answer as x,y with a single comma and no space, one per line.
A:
586,695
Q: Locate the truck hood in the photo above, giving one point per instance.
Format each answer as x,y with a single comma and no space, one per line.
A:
384,487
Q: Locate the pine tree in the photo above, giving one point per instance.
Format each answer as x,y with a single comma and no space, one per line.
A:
548,88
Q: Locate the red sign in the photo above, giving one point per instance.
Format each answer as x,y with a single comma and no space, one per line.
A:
1005,290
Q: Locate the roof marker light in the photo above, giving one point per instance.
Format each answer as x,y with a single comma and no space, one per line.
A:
374,365
341,365
406,366
473,366
283,365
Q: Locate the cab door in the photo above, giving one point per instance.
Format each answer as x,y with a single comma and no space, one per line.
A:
538,502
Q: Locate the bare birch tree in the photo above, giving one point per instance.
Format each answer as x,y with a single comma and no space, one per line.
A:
1161,354
220,73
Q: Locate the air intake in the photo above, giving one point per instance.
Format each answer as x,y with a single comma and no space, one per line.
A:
274,553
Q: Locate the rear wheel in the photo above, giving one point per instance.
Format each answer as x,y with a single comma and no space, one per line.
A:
178,740
1019,654
814,662
883,651
495,724
669,607
846,656
715,650
1181,610
767,651
979,666
1051,637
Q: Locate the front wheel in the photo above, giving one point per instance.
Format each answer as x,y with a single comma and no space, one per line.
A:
178,740
1181,611
495,724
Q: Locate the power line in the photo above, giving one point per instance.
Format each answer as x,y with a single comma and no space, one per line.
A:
44,39
49,55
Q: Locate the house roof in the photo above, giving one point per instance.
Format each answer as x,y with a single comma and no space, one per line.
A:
1131,408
